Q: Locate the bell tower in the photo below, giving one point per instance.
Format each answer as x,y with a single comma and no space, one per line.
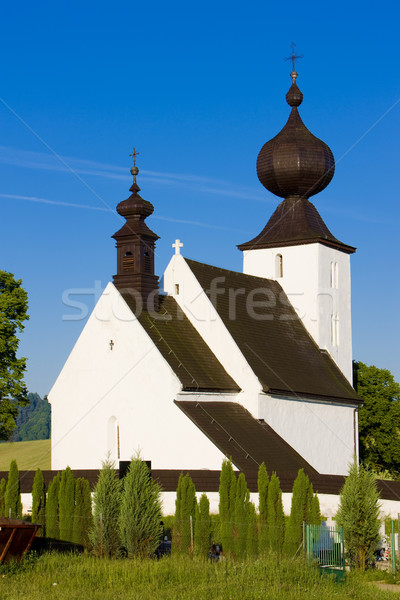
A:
135,244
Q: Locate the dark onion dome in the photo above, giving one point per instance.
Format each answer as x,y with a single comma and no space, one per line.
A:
295,163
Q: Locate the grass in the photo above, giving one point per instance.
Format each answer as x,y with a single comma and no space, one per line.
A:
74,577
29,455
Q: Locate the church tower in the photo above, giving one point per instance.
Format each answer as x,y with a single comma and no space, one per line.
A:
296,247
135,244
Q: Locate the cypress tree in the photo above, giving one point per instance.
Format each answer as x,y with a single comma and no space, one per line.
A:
315,512
3,485
252,541
104,533
140,517
263,483
12,499
177,527
227,496
82,512
185,508
276,518
241,516
52,508
202,530
66,499
298,514
39,502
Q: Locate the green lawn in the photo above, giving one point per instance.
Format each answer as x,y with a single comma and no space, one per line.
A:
29,455
72,577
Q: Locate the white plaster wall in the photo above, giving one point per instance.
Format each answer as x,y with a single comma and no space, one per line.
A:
197,307
322,433
131,383
306,281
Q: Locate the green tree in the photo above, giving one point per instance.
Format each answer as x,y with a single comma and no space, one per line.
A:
252,542
378,418
263,483
82,512
39,502
315,512
33,421
358,514
227,496
3,485
52,508
275,518
241,516
66,499
13,393
12,500
202,529
104,534
298,514
185,508
140,517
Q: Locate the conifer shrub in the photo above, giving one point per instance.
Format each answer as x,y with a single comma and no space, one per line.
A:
140,517
298,514
275,516
252,541
315,517
227,497
52,508
12,499
263,483
104,534
3,485
66,499
185,508
82,512
241,516
39,502
202,530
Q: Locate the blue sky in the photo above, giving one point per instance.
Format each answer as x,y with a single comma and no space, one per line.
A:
197,88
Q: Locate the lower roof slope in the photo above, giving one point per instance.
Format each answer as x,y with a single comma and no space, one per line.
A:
186,352
247,441
273,339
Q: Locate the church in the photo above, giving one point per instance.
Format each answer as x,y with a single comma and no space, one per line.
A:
210,363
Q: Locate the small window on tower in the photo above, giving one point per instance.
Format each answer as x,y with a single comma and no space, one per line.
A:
127,261
278,266
147,261
177,289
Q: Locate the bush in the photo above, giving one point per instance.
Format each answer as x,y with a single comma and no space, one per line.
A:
104,534
39,502
52,508
66,499
12,499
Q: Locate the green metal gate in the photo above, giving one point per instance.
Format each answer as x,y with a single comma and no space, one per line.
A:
326,545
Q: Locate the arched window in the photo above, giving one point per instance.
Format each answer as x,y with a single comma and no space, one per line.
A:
335,329
278,266
334,275
113,442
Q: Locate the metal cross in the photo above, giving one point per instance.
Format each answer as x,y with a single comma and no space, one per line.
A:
111,344
293,58
178,245
134,154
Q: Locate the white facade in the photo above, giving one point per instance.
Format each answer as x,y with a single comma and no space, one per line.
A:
316,279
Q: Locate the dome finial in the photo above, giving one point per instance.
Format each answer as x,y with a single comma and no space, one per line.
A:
294,97
134,169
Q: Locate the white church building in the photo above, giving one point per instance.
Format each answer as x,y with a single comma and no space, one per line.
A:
256,366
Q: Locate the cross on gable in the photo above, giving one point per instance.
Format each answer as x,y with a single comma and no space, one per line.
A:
178,245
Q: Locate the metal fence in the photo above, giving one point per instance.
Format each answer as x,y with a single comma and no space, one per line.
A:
326,546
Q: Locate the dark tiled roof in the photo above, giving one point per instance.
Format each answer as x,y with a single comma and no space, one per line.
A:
247,441
295,221
185,351
278,348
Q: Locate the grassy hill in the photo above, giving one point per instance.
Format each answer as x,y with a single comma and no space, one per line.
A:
29,455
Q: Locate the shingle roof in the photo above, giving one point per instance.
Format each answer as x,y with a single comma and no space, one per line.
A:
185,351
247,441
277,346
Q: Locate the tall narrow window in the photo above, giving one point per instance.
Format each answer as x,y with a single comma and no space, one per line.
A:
113,438
334,275
335,329
278,266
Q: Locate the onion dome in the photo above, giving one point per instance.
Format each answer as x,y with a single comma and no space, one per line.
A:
295,163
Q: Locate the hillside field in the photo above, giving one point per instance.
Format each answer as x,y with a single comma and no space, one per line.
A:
29,455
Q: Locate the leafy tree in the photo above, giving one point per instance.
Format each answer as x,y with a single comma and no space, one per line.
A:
39,502
66,499
12,500
275,518
140,517
252,531
104,534
185,507
52,508
378,418
358,514
82,512
3,485
241,516
202,529
263,483
13,393
227,496
298,513
33,421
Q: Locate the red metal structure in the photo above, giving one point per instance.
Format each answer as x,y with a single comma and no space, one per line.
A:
16,538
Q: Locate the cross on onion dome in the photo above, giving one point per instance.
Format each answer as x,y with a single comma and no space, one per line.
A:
178,245
293,58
